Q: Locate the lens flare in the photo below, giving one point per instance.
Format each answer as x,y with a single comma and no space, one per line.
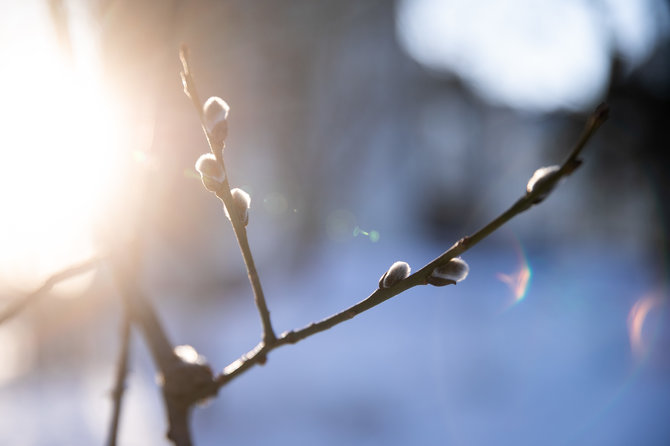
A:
372,235
518,281
637,317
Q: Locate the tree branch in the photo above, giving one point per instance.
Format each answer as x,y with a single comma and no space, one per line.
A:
120,380
240,231
420,277
224,194
21,303
183,383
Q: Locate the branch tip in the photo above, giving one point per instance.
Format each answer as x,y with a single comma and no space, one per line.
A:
183,57
601,114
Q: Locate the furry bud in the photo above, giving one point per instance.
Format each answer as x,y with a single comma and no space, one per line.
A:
216,120
455,270
242,202
210,171
544,178
397,272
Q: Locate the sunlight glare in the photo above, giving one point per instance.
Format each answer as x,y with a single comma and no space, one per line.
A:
57,163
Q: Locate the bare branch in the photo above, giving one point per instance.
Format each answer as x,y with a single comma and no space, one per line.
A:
183,383
597,118
534,196
120,379
142,313
21,303
187,79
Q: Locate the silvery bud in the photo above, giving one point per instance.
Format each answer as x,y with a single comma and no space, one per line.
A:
455,270
216,120
544,178
397,272
210,171
242,202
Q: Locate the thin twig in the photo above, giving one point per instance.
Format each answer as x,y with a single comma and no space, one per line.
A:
224,194
420,277
21,303
597,118
120,379
240,231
